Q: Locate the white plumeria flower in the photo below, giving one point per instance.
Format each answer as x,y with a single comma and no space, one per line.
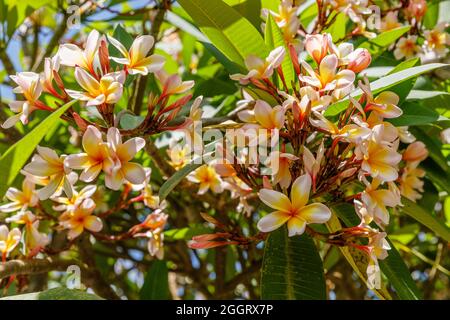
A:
279,163
108,89
21,199
122,154
136,60
8,240
48,164
97,156
407,48
29,85
259,68
311,163
72,55
172,84
327,78
294,211
34,240
69,204
82,218
208,179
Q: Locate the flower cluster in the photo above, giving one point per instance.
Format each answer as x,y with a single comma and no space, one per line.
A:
72,182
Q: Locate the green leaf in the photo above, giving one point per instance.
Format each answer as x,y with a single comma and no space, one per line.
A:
231,33
384,83
17,155
380,43
185,233
402,89
156,283
174,180
249,9
130,121
415,114
60,293
395,269
292,268
426,218
308,11
274,38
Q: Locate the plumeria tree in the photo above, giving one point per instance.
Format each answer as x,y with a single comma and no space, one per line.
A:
225,149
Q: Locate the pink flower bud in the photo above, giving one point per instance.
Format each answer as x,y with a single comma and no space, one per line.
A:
416,151
359,60
317,46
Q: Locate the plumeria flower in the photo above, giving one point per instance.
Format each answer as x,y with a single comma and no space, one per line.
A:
29,85
376,200
317,46
404,135
411,184
21,199
354,9
72,55
97,156
351,132
379,160
294,211
377,250
358,60
48,164
136,60
106,90
149,199
82,218
280,164
318,102
34,240
69,204
122,153
265,116
208,179
51,68
327,78
390,21
286,18
155,223
178,154
415,153
172,84
407,48
259,68
8,240
385,105
416,9
437,39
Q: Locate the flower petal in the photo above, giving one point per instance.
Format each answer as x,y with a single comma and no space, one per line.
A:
275,199
300,191
272,221
296,226
315,213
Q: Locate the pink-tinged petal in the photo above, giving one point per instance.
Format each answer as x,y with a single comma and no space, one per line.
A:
247,116
134,172
87,191
327,68
13,194
113,137
272,221
128,150
262,114
10,207
75,232
276,57
77,161
114,180
92,138
315,213
48,154
93,224
140,47
71,55
91,46
344,78
16,106
254,62
40,168
153,63
275,199
90,173
98,100
300,191
296,226
387,97
278,116
78,95
86,81
50,188
115,93
11,121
